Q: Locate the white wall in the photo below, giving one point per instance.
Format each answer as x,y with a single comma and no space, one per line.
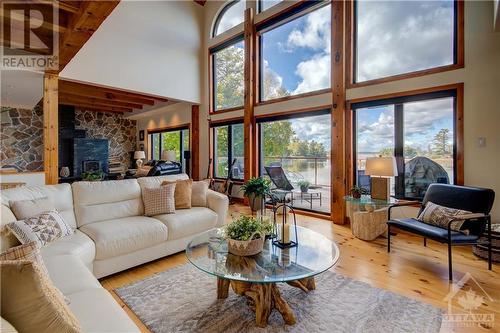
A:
145,46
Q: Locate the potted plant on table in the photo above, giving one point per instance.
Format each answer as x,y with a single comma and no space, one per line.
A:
92,176
357,191
255,189
246,235
304,185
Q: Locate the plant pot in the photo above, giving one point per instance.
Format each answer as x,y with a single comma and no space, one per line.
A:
356,195
245,248
304,189
255,202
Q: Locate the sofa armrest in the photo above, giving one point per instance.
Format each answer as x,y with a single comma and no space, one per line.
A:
219,203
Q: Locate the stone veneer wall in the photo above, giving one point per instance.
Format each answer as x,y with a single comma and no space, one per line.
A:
21,135
21,138
120,132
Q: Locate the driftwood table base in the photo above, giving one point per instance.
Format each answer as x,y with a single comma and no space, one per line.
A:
264,297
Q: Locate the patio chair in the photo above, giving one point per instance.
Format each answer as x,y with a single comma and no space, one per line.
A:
478,201
283,185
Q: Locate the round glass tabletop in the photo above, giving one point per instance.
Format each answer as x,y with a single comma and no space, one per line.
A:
313,255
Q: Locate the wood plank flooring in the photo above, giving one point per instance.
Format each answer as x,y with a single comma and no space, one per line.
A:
410,269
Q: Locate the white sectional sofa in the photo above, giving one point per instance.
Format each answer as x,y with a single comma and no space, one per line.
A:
111,235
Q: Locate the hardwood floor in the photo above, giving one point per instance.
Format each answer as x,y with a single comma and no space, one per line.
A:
410,269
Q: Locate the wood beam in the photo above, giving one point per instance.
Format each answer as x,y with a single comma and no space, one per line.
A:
250,160
98,101
93,106
338,114
50,129
195,142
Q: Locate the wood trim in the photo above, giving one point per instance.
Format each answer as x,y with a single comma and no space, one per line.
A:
168,128
460,33
295,111
82,105
459,118
98,101
236,108
195,142
349,46
338,177
288,98
279,13
349,153
51,129
228,121
248,118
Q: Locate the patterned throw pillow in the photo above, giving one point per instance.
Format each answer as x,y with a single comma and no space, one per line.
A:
43,229
159,200
183,189
441,216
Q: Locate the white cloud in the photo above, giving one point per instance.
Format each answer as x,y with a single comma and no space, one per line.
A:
315,128
315,74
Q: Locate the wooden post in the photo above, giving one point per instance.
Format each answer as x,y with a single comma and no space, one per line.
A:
51,128
195,142
338,114
249,119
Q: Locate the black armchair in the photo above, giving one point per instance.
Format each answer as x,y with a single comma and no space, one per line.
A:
476,200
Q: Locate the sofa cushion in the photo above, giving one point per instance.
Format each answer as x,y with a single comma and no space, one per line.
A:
121,236
157,180
24,209
101,201
98,312
69,274
78,244
60,194
186,222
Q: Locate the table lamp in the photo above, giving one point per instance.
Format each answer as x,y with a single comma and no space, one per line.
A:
139,155
381,169
168,155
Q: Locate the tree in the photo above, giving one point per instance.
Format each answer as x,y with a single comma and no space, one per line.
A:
172,141
229,72
277,138
441,142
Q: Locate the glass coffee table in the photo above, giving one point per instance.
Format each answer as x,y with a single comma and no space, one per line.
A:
256,277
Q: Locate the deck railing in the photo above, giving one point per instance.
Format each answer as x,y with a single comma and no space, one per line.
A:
315,169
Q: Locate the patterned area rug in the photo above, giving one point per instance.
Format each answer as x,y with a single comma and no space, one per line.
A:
183,299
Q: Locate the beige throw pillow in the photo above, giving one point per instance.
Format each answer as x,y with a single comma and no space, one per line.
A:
31,303
199,194
183,190
24,209
159,200
43,229
143,171
441,216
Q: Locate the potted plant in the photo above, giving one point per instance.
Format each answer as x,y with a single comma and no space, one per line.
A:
92,176
357,191
304,185
255,189
246,235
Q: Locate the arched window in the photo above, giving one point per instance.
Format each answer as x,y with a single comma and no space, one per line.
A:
230,16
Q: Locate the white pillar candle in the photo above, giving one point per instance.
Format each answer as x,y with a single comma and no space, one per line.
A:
286,234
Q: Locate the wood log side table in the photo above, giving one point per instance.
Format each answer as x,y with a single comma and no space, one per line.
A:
258,277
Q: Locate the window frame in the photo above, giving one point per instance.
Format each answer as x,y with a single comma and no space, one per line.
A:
213,78
454,90
221,14
229,152
291,13
160,131
351,52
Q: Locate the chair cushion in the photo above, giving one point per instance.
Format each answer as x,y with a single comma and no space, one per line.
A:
97,311
441,216
69,274
187,222
431,231
77,244
121,236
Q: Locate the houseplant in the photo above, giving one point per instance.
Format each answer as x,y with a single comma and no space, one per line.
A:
246,235
255,189
357,191
92,176
304,185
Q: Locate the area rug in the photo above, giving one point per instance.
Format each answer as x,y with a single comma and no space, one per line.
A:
183,299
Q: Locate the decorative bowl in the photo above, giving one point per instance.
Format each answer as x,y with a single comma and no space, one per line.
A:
245,248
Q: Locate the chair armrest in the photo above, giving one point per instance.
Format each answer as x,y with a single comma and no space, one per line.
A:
402,204
219,203
472,216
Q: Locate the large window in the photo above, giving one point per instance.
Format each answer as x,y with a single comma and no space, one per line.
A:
418,130
228,150
228,75
176,140
398,37
230,16
301,146
266,4
295,53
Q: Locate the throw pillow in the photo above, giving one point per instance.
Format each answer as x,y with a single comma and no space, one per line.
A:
31,303
441,216
43,229
199,194
143,171
183,190
159,200
24,209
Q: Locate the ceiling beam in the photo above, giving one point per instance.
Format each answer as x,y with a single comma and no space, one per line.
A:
100,101
96,93
66,101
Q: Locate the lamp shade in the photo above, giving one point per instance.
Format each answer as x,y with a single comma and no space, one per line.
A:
168,155
139,154
381,167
